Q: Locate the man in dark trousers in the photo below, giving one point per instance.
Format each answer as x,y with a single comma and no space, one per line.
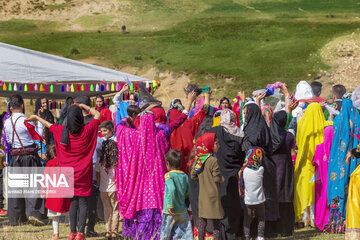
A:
22,209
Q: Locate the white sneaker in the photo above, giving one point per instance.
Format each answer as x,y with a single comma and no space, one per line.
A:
260,238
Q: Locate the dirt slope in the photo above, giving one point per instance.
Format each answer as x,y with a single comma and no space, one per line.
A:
64,10
343,55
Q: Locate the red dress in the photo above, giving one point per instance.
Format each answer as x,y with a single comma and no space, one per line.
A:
78,154
60,205
182,138
105,115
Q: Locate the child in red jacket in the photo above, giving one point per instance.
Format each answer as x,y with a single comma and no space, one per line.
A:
57,207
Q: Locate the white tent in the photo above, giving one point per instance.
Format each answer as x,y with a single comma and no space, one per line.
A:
20,65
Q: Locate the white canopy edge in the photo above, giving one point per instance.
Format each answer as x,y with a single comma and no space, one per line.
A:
21,65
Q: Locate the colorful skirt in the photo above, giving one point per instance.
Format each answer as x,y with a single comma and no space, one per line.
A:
146,224
336,219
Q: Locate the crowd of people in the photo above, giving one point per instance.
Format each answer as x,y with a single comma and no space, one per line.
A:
254,169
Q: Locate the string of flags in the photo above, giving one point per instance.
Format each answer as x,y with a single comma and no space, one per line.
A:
151,86
77,87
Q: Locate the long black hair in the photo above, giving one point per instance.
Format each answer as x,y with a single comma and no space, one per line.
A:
45,114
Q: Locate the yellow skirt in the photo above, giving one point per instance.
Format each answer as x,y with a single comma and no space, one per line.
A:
353,207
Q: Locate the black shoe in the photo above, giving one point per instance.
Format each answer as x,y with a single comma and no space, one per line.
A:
35,221
90,234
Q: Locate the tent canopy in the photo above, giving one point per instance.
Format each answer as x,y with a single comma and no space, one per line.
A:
24,66
20,65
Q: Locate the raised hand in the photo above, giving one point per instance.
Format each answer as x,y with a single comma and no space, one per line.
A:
153,105
125,87
284,90
260,97
292,106
192,96
32,118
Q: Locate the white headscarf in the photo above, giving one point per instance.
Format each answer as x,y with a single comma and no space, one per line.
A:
228,121
303,91
356,97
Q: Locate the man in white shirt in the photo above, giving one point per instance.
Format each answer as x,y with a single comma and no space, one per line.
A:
23,153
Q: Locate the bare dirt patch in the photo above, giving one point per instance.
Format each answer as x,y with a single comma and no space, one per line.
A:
343,55
66,11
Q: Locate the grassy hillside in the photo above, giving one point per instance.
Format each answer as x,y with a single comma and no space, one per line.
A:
255,41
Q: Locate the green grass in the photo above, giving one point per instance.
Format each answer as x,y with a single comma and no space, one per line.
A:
30,232
95,21
57,6
15,26
255,41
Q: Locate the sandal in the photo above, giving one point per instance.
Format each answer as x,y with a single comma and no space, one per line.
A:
114,236
108,236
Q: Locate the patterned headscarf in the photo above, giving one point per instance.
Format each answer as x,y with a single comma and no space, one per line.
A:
176,104
228,121
175,109
267,112
253,161
204,147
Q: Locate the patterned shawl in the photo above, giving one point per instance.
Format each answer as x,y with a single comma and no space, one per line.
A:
346,127
141,167
204,147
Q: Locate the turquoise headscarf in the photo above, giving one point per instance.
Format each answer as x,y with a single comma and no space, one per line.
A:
121,111
346,130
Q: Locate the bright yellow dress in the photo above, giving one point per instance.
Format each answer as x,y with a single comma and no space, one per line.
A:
353,207
310,133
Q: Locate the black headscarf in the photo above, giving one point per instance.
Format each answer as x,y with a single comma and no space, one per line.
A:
256,130
68,102
46,114
230,155
74,123
277,129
